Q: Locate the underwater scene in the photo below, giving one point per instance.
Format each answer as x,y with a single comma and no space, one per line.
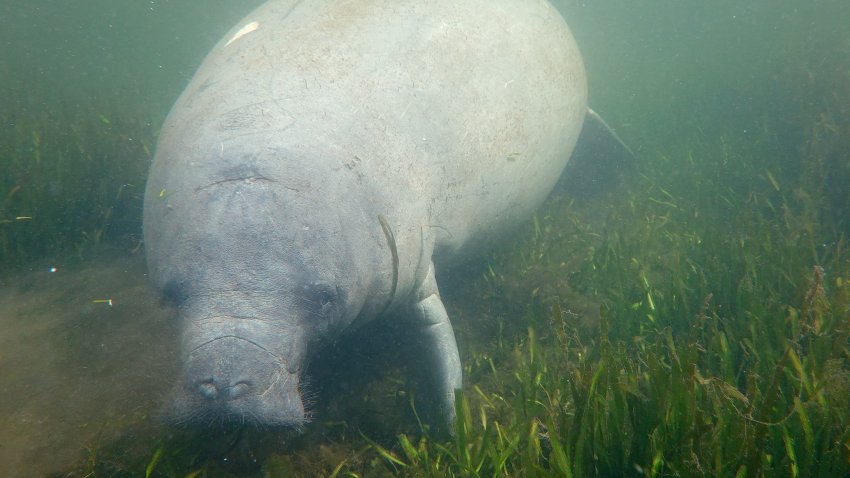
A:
685,312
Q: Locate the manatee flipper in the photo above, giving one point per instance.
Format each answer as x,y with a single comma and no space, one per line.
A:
438,343
599,159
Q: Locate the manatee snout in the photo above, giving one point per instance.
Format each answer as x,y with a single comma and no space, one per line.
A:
233,379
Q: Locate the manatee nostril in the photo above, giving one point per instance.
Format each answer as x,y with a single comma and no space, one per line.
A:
239,390
208,390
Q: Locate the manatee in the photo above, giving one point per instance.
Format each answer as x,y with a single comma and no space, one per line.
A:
325,161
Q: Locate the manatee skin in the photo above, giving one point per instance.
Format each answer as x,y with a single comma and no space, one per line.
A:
325,159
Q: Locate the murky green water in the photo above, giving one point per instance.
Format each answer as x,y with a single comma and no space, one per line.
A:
738,112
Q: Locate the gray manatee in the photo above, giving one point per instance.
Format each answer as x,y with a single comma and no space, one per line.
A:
325,160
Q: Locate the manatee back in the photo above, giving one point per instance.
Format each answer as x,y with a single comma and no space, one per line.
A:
455,115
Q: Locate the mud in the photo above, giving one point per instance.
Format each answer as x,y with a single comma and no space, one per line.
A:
75,370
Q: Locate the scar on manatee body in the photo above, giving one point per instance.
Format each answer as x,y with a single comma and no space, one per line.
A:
249,179
243,31
388,232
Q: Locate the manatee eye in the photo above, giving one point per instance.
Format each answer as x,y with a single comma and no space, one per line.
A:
321,297
174,293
